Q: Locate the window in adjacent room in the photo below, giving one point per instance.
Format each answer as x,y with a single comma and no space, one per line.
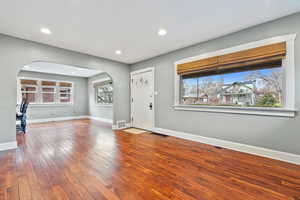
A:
40,91
29,90
65,92
48,91
104,92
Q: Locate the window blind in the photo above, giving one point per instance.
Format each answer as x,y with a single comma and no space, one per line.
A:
48,83
65,84
256,56
28,82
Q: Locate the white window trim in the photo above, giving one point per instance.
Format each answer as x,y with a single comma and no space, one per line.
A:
39,92
288,65
59,95
42,100
34,86
55,93
95,92
36,92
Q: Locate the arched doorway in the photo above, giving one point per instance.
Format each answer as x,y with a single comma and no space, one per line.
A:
101,98
16,53
58,92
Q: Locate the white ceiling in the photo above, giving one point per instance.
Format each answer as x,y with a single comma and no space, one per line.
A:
53,68
99,27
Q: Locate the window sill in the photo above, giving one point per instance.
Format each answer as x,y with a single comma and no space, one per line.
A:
50,104
279,112
104,105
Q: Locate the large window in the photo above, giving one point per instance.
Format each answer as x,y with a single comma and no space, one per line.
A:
250,88
255,78
45,91
104,92
65,92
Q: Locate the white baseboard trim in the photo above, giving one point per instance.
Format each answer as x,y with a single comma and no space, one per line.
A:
57,119
110,121
8,146
269,153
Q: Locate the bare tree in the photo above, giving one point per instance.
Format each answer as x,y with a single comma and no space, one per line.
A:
189,90
272,82
211,88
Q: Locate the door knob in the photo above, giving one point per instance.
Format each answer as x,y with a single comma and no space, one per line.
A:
150,106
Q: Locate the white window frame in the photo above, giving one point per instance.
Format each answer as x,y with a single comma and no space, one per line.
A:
36,92
288,64
59,93
55,92
39,92
95,92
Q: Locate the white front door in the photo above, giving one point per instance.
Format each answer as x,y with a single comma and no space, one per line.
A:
142,99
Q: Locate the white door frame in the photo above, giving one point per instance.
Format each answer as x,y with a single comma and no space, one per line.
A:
149,69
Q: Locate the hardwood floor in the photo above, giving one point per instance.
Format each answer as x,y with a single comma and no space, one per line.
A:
83,159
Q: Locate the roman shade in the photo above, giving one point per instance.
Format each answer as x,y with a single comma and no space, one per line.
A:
101,83
65,84
48,83
261,55
28,82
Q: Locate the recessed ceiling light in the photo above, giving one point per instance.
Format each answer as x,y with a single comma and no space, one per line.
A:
162,32
118,52
46,31
26,67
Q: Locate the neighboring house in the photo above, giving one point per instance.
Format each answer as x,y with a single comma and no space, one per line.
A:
193,99
203,98
190,98
240,93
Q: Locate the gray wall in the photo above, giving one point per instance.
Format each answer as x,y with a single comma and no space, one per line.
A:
15,53
276,133
96,110
80,98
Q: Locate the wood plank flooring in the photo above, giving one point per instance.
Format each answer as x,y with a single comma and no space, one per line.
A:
84,159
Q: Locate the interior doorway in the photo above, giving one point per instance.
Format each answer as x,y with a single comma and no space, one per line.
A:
56,92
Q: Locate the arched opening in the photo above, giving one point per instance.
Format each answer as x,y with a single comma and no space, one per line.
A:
55,92
17,53
101,98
